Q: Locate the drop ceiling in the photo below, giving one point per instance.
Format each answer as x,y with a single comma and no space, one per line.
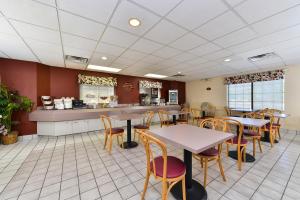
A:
190,36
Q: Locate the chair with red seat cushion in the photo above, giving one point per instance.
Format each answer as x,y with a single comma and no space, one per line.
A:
111,132
211,153
238,141
168,169
148,119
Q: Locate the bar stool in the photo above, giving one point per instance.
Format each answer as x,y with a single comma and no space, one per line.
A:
111,132
148,118
212,153
238,140
164,118
168,169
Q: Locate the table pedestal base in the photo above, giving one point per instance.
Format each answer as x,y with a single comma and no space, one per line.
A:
266,138
249,157
196,192
129,145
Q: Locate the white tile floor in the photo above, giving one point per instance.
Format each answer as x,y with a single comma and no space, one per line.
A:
77,167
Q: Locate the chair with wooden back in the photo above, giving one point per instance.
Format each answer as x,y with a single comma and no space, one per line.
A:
228,111
238,141
212,153
168,169
270,127
276,123
184,118
111,132
164,118
148,116
196,115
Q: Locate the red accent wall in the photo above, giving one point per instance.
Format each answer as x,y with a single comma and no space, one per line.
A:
35,79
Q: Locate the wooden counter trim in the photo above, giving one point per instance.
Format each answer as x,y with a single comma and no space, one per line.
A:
69,115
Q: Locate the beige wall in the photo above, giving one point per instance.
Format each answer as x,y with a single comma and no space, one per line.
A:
196,93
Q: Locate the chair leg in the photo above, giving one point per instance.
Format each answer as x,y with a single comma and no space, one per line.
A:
183,189
118,140
105,140
239,159
205,171
227,150
146,185
221,168
259,144
244,153
201,162
122,140
278,132
164,190
110,143
254,146
134,134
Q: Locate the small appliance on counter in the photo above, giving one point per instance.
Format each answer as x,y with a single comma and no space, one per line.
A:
47,102
68,102
173,97
59,104
78,104
144,99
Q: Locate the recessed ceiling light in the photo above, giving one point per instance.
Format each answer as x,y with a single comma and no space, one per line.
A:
155,76
227,60
178,72
102,68
104,58
134,22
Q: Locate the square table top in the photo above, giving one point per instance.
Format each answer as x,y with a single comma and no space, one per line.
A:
177,112
250,122
191,138
127,116
280,115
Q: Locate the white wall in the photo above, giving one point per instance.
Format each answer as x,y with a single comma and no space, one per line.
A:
196,93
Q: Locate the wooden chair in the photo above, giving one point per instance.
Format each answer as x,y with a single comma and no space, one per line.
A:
254,132
212,153
276,123
196,115
168,169
238,140
270,127
228,111
147,119
184,118
164,118
111,132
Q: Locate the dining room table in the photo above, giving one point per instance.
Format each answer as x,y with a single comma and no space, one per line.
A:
128,117
175,113
258,123
193,140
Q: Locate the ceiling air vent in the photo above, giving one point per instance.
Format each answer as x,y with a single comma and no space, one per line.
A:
262,57
178,75
76,59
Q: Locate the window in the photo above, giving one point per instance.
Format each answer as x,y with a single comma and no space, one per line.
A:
92,94
239,96
257,95
268,94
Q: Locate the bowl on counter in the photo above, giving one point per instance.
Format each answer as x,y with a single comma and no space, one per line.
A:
49,107
47,102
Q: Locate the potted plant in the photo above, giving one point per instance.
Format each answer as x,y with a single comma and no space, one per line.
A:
11,101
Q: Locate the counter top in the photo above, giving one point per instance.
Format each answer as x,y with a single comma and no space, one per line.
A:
78,114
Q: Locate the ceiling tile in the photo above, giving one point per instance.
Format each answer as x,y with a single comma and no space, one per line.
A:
37,32
2,55
249,45
234,2
152,59
193,13
205,49
97,59
166,52
240,64
78,42
236,37
184,57
15,48
133,55
283,35
288,44
169,63
80,26
197,61
78,52
283,20
124,62
161,32
109,49
49,2
94,9
219,54
37,13
158,6
226,23
146,46
75,65
263,9
188,41
126,11
118,38
6,28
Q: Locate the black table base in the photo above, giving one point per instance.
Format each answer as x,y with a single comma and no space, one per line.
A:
266,138
174,119
249,157
129,144
197,191
194,190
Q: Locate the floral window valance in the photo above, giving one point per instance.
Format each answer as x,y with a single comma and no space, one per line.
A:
150,84
97,81
248,78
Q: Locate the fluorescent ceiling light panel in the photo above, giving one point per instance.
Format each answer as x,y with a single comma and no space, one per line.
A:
155,76
102,68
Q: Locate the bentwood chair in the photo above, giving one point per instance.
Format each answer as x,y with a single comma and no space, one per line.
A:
184,118
238,140
212,153
254,132
276,123
146,126
111,132
164,118
270,127
196,115
168,169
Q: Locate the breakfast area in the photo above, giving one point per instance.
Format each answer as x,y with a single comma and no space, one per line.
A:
136,99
